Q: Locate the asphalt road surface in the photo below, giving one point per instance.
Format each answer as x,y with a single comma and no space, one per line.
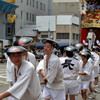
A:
4,85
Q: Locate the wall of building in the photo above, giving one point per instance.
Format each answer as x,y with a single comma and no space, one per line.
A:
32,11
64,7
45,23
65,1
50,7
67,22
2,26
68,29
62,28
65,29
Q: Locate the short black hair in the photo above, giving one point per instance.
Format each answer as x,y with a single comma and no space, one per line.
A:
52,45
69,53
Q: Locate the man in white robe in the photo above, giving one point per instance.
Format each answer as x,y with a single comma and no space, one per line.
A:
91,39
26,85
70,71
24,41
96,64
54,88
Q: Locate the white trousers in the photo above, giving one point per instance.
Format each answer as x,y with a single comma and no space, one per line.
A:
53,94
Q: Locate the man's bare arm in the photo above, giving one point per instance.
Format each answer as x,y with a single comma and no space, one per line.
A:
4,95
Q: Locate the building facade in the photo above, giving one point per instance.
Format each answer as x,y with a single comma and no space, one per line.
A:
62,28
28,10
65,7
25,15
68,7
7,29
2,26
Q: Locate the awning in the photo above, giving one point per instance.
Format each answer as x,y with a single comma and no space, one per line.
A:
60,44
6,7
63,44
39,44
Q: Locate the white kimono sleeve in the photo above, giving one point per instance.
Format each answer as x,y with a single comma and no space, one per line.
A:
96,63
88,36
9,69
52,71
21,85
40,66
6,56
32,59
88,69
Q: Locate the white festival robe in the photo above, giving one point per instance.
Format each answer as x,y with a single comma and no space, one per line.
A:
70,76
9,68
91,39
27,86
54,73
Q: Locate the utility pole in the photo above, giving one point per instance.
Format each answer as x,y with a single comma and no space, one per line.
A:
49,29
22,22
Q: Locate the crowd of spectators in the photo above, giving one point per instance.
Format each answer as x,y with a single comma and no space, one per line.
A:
93,4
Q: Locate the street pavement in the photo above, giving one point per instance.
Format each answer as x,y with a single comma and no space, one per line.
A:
4,85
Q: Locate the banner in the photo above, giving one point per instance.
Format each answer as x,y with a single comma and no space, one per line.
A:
91,19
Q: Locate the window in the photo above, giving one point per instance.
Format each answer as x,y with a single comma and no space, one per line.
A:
21,1
77,37
30,2
27,16
21,14
44,36
73,35
9,30
62,35
33,3
44,7
32,17
41,6
27,2
37,4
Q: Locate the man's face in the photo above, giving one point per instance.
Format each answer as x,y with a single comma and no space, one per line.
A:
16,58
90,30
96,51
48,48
64,54
83,58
